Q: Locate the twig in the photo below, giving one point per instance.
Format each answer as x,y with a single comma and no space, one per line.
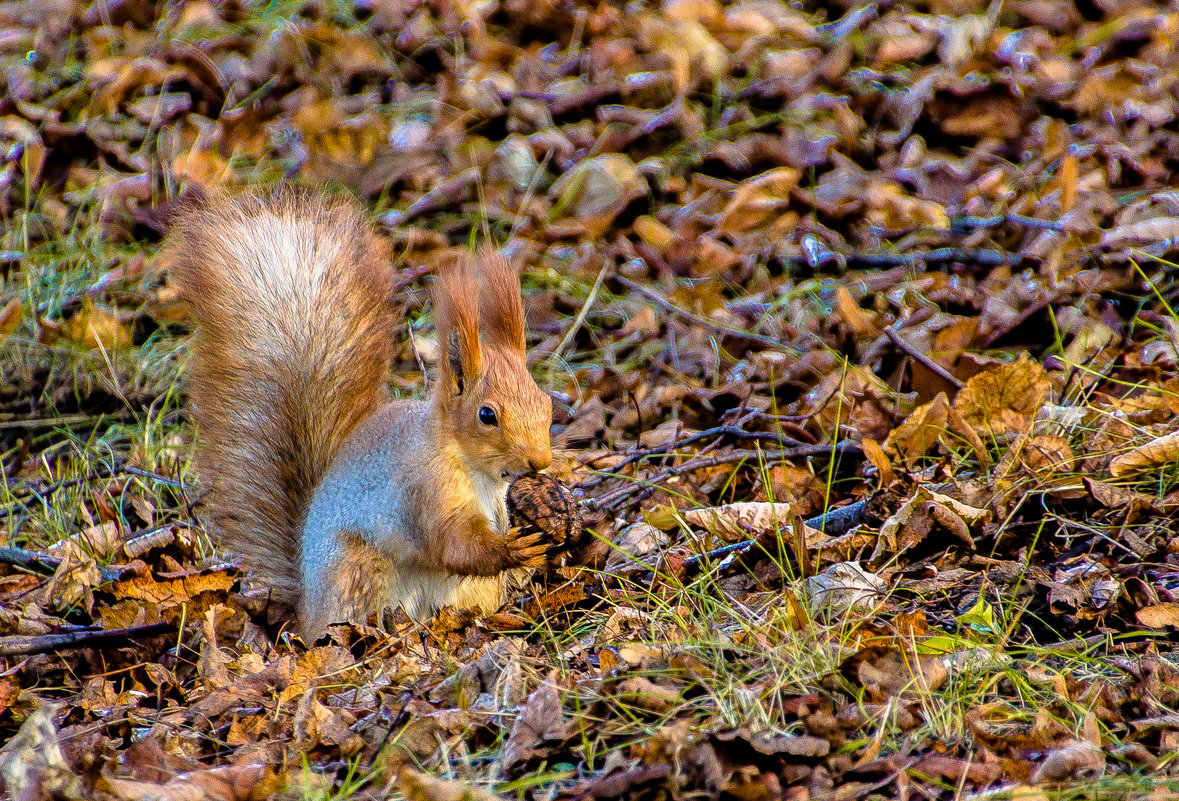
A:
667,305
1013,219
918,356
29,560
46,565
802,451
66,420
833,522
718,431
842,519
156,477
980,256
42,494
40,644
875,350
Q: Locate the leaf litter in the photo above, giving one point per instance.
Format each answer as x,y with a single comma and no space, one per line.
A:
859,323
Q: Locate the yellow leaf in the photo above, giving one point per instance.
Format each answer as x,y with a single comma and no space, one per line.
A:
1002,402
980,616
97,327
11,317
654,233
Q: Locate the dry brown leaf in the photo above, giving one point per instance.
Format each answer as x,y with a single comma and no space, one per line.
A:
172,595
748,520
885,671
598,190
1159,616
246,782
97,327
654,233
73,582
919,432
1075,760
643,693
1141,233
418,786
317,725
99,542
843,586
915,520
759,198
1001,403
855,317
1156,453
541,719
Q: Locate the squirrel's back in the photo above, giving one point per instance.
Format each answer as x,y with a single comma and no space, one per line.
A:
290,291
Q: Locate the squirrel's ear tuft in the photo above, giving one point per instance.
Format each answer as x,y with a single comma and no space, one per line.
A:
458,321
501,307
453,363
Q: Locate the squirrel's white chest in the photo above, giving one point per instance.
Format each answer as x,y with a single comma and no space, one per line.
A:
491,493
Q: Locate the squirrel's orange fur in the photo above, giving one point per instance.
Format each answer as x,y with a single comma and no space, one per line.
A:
343,503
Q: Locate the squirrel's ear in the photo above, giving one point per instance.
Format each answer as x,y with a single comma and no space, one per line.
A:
456,368
502,309
458,322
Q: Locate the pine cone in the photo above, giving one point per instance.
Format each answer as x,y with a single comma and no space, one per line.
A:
541,503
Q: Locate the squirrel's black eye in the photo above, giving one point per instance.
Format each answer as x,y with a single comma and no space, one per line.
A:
487,416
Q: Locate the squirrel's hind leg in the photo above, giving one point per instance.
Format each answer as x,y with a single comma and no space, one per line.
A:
357,583
358,578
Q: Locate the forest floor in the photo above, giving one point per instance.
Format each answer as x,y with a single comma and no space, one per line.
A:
900,270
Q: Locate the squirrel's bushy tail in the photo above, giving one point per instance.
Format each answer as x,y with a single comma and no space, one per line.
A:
290,292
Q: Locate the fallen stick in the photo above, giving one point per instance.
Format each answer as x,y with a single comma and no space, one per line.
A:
979,256
735,431
833,522
44,564
712,325
973,223
44,643
32,492
918,356
613,497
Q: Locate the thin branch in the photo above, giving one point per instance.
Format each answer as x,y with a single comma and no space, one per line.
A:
65,421
46,565
833,522
614,497
718,431
918,356
43,643
32,492
667,305
980,256
962,223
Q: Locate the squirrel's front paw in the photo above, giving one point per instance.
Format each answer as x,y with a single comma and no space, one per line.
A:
477,550
526,549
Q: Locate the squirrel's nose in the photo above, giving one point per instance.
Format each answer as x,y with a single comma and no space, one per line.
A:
540,460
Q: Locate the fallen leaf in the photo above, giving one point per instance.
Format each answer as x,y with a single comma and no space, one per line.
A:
1156,453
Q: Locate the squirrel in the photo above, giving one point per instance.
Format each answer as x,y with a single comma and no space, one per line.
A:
343,502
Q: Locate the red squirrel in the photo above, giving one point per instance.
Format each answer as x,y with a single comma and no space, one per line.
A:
343,502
